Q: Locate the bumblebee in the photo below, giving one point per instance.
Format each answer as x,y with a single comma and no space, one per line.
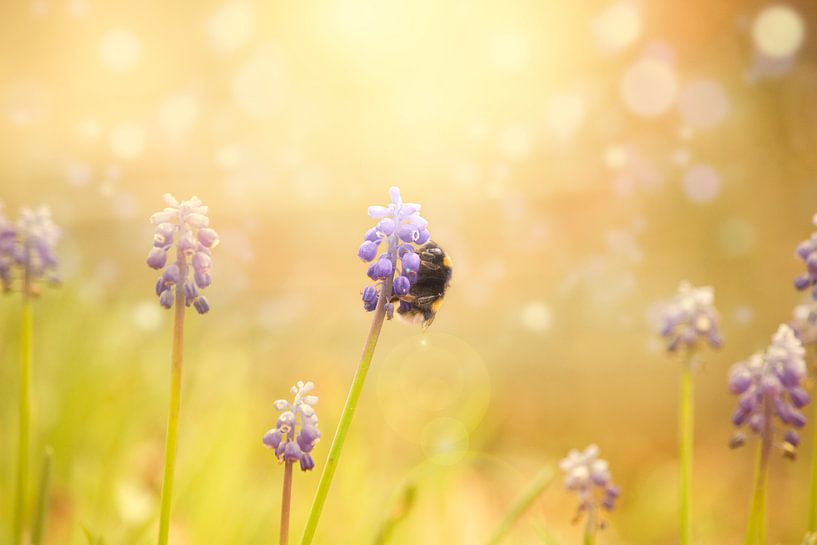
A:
421,303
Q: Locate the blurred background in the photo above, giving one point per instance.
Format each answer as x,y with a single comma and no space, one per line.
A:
576,159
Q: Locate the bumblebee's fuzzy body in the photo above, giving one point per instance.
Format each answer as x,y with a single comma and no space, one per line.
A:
425,298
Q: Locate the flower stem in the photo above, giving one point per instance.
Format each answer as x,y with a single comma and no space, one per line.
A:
42,502
347,414
685,434
756,531
812,509
522,504
25,417
590,528
173,408
286,502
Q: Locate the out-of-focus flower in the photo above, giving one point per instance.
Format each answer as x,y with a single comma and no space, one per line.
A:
399,231
690,317
804,322
589,477
296,432
769,390
186,225
27,250
807,251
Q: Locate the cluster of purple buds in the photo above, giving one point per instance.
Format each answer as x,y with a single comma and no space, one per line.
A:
296,432
184,224
589,477
393,241
691,316
770,391
27,250
807,251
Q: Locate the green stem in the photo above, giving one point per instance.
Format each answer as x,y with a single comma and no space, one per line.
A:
42,501
812,503
286,502
756,530
25,417
346,416
590,528
685,434
522,504
173,408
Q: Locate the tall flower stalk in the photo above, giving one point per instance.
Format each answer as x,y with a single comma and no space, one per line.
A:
292,439
26,261
588,476
399,229
769,406
182,226
806,318
690,320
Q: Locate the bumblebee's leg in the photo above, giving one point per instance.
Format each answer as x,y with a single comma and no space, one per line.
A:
429,265
427,299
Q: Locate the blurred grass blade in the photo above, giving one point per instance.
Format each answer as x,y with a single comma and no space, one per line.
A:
398,514
91,539
522,504
42,500
544,534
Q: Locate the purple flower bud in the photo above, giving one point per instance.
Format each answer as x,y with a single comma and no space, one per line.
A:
187,245
804,249
749,401
756,422
367,250
811,263
770,385
792,438
739,380
371,235
308,438
386,226
402,285
370,294
166,298
202,278
292,453
411,263
739,416
423,237
201,305
160,286
802,281
381,269
201,261
408,233
171,275
157,258
272,438
799,397
208,237
307,463
163,235
190,291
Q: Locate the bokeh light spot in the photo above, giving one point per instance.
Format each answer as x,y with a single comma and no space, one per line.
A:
649,87
701,184
703,104
618,26
178,113
515,142
127,141
736,237
147,315
120,50
445,440
565,115
536,317
778,31
510,52
261,84
231,26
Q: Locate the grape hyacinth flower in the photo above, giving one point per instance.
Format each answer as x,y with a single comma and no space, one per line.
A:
804,322
691,318
769,387
807,252
27,260
292,439
183,226
588,476
390,248
690,321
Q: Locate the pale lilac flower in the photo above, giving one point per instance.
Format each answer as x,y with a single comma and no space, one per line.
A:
804,321
296,432
399,231
588,476
183,225
807,252
770,391
27,250
691,317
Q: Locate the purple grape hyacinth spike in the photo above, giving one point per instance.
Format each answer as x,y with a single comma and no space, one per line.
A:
27,250
399,231
186,224
588,476
772,379
296,432
691,318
